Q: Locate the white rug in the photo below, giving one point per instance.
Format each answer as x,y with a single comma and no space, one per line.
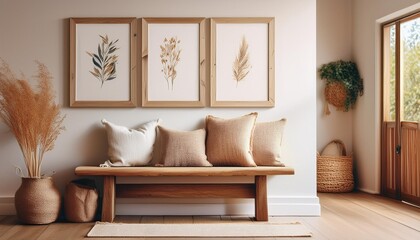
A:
294,229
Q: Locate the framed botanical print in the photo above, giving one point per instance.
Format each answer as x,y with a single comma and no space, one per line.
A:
173,62
103,62
242,62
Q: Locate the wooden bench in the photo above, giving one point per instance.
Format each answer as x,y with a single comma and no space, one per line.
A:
256,190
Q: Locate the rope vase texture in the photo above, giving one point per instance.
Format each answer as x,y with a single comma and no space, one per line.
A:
37,201
335,173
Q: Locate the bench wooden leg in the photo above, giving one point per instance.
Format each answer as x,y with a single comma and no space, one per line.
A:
108,201
261,210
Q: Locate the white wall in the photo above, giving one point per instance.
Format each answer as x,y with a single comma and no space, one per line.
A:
39,30
366,118
333,35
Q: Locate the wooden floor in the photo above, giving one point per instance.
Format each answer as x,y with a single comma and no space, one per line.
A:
344,216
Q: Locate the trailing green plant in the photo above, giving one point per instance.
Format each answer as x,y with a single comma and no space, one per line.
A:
344,72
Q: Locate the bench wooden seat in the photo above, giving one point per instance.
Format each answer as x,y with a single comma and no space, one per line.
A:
256,190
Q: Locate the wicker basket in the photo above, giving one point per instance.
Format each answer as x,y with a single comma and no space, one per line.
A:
336,94
335,173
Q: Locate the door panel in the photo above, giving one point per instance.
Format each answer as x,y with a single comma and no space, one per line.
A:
410,162
389,187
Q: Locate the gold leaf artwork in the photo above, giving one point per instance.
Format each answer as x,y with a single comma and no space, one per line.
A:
170,57
241,65
104,60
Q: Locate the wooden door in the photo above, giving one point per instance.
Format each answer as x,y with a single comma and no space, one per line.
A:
400,169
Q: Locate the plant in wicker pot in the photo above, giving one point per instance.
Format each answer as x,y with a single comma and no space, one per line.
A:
343,84
36,121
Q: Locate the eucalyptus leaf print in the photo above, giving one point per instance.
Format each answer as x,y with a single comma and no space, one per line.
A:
170,57
105,60
241,65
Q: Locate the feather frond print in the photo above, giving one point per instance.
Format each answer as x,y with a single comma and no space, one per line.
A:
241,65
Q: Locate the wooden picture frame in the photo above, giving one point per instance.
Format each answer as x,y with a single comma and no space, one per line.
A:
103,62
242,62
173,62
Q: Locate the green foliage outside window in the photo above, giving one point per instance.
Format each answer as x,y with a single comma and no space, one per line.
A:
410,70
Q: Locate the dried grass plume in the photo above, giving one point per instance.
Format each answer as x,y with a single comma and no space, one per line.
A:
32,116
241,65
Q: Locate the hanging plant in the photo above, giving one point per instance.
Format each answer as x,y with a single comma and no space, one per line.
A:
343,84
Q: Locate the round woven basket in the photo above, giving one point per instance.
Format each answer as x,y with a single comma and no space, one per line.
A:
335,173
37,201
336,94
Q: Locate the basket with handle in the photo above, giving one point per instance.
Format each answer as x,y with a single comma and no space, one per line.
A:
335,173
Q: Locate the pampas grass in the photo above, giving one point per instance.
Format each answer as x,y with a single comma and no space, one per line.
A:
32,116
241,65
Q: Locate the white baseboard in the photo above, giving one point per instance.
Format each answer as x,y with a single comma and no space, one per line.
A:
294,206
277,206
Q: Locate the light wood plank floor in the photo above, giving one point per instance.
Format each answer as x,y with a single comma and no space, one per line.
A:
344,216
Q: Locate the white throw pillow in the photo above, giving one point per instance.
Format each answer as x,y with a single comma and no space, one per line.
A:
130,147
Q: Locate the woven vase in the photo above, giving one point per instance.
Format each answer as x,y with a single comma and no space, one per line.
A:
37,201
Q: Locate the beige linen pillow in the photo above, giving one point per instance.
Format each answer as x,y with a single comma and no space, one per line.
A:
267,143
229,141
180,148
333,149
130,147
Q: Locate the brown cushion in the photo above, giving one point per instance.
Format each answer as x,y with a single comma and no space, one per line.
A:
180,148
229,141
267,143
